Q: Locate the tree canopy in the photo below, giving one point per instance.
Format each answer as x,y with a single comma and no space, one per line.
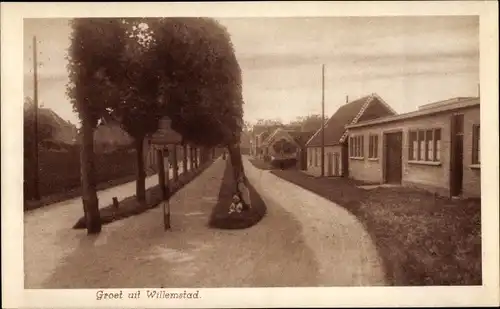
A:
183,68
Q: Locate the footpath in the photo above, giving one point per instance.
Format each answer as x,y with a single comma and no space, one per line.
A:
302,241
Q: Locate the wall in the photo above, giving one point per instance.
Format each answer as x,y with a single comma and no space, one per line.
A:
424,175
472,175
316,170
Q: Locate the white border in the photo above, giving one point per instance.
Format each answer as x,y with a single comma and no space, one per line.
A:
13,294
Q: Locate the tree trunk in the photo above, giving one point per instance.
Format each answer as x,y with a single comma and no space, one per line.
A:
184,159
175,164
87,168
140,185
241,181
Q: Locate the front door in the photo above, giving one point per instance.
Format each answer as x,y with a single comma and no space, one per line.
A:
330,164
456,155
393,157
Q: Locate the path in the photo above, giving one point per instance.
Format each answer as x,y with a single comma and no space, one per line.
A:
344,250
45,225
302,241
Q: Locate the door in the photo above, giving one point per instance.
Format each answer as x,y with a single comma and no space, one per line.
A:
330,164
393,157
336,161
345,159
456,154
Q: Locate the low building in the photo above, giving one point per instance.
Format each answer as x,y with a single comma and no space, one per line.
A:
280,145
436,148
335,135
259,140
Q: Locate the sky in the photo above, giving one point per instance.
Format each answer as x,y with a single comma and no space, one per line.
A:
408,61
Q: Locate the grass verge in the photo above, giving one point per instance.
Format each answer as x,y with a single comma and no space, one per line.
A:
221,219
130,206
422,239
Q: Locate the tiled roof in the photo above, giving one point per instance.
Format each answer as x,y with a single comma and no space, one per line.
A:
335,126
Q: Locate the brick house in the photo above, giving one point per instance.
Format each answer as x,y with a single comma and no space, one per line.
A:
436,148
336,142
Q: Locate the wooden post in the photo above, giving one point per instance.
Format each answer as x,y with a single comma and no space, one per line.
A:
167,201
36,187
323,122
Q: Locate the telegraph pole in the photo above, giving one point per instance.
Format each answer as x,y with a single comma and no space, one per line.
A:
323,122
36,192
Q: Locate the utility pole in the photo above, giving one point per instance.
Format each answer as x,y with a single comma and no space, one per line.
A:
323,122
36,187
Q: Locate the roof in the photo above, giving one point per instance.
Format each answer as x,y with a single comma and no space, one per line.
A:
301,137
335,126
430,109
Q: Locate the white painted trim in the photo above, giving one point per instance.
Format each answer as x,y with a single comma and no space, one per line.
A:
360,113
317,132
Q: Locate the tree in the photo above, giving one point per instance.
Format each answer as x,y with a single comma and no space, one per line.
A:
310,123
92,62
201,87
138,109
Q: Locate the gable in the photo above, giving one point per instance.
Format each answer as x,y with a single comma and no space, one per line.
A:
375,109
335,126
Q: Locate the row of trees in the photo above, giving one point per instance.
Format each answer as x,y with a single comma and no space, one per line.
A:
310,123
137,70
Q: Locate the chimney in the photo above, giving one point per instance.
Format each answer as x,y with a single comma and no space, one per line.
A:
346,99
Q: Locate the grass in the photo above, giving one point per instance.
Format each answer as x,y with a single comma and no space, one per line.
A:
130,206
220,218
422,239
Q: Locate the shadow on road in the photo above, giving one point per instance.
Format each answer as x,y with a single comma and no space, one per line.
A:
137,252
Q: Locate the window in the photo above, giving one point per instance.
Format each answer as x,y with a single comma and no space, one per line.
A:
413,147
356,147
476,145
373,147
425,145
309,155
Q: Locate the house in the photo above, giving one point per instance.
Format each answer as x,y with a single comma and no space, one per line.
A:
259,139
301,139
61,131
436,148
287,145
335,135
280,145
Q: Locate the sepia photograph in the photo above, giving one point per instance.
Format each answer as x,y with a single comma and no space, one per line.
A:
165,155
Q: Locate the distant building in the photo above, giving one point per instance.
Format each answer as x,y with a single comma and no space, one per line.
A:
335,135
436,148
